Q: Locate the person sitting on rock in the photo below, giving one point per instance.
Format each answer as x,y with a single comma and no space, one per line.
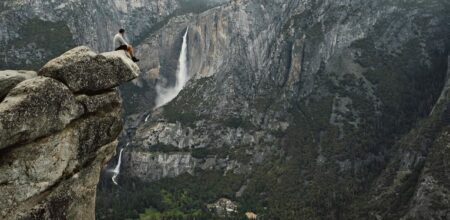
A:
121,44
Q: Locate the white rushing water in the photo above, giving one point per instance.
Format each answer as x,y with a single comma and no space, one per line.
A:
146,118
116,170
165,95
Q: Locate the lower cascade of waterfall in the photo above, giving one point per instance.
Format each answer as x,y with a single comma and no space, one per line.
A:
116,170
167,94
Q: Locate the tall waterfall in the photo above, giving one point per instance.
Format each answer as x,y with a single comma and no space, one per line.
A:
165,95
116,170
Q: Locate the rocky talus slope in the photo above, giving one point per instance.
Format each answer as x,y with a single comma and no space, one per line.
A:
58,129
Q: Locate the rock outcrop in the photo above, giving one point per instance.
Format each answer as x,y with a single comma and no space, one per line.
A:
75,68
155,166
58,132
35,108
10,78
223,207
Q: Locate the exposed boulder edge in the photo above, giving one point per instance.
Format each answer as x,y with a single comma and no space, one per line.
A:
34,108
124,59
54,141
10,78
83,71
94,103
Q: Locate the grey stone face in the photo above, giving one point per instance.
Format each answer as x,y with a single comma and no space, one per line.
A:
84,71
71,198
155,166
35,108
31,169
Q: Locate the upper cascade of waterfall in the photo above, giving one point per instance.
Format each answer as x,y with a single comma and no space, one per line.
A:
167,94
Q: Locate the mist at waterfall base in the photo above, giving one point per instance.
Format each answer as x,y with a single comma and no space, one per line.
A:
167,94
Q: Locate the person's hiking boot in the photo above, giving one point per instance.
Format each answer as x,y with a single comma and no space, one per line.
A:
134,59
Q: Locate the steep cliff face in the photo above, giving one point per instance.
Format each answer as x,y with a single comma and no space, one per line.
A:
303,106
415,182
58,130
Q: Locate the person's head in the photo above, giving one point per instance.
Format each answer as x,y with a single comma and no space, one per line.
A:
122,31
